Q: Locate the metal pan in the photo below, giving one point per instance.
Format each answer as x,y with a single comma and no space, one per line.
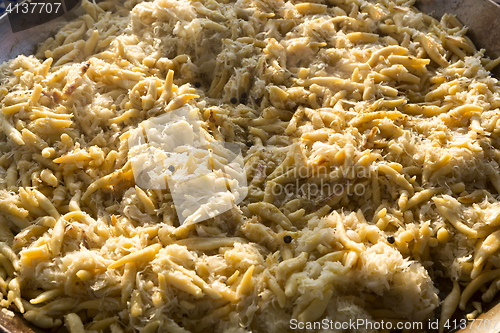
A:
26,41
481,16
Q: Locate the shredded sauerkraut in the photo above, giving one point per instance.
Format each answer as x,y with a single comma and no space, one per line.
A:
350,148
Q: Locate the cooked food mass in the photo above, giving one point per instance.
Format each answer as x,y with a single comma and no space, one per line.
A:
368,143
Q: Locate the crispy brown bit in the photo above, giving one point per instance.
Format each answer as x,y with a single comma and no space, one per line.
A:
56,96
85,241
85,67
212,118
69,89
